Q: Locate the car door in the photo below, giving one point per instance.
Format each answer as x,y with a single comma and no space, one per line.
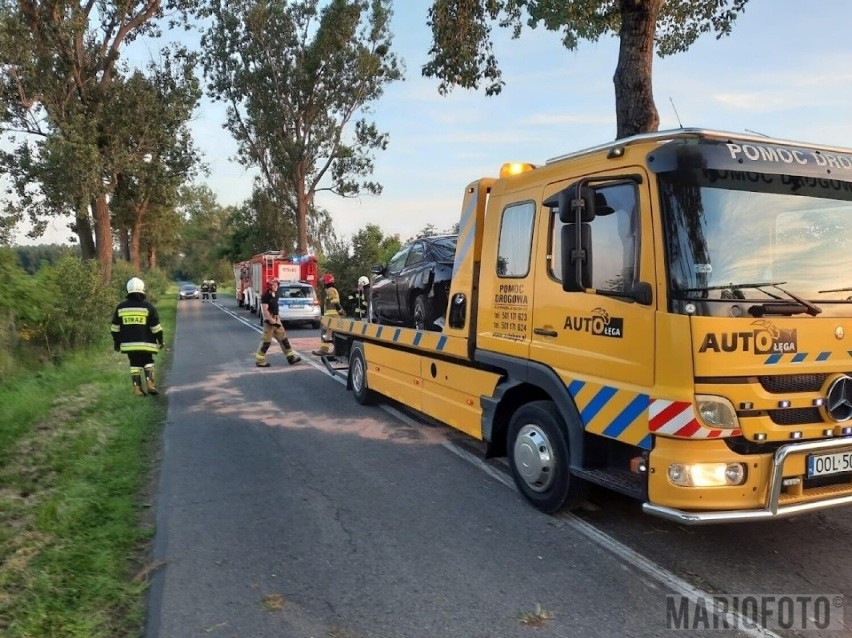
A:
410,281
384,295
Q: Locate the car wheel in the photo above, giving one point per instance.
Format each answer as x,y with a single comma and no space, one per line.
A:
358,377
423,316
539,458
316,324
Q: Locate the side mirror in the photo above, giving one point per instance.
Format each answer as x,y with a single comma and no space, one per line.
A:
576,257
377,269
576,204
642,293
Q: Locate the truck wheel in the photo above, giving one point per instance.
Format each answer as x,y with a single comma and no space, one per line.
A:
423,318
358,377
539,459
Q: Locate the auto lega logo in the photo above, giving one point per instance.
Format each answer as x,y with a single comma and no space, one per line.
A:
764,338
599,324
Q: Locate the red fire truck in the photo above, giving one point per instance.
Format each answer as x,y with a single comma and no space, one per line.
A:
251,275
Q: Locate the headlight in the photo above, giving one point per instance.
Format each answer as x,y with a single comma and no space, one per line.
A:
716,412
707,474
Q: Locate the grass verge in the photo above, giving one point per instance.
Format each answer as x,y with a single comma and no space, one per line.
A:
76,456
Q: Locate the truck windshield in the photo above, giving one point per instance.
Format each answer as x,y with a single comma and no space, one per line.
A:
726,230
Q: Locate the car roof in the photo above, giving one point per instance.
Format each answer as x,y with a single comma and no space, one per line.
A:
434,238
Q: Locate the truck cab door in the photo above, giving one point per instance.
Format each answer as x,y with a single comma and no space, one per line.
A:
601,340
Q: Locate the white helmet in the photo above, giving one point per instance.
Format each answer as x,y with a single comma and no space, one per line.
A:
363,281
136,285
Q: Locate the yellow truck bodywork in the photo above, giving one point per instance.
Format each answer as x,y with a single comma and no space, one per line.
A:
637,380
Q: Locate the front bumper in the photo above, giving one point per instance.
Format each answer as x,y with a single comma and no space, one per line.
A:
776,503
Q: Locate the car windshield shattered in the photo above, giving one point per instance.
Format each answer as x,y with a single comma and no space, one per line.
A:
768,238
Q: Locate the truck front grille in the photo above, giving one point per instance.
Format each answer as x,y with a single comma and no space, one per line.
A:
795,416
789,383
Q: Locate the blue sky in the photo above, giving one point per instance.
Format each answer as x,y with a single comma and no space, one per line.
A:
785,71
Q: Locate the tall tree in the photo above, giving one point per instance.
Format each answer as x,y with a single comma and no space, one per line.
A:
294,77
462,53
152,143
60,61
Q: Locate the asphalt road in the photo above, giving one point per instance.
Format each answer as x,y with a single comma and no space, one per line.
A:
285,509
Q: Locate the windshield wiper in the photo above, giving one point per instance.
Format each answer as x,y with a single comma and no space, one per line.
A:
849,298
754,286
769,308
813,310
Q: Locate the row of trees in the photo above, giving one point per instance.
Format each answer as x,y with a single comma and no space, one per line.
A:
108,146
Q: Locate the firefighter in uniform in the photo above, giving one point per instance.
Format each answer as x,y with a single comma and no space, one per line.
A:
213,289
332,308
272,328
205,290
136,331
360,299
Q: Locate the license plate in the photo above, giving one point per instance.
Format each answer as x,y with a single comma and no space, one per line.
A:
825,464
297,306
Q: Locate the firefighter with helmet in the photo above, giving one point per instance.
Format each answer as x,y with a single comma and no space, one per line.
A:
136,332
332,308
272,328
205,290
360,300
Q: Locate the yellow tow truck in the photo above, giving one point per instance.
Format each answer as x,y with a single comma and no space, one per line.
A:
667,315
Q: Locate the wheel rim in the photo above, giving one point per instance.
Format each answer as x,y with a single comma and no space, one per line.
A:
357,375
535,461
419,317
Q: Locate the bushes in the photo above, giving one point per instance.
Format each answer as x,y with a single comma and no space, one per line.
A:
64,306
18,300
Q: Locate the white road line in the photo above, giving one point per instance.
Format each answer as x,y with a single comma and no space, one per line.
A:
622,551
627,555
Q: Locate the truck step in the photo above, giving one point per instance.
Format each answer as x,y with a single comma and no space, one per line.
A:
617,479
337,365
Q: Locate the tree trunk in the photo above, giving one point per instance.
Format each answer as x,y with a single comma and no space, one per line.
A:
634,92
83,228
301,213
152,257
103,236
135,239
124,240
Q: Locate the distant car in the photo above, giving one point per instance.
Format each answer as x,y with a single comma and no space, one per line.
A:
413,289
189,291
298,303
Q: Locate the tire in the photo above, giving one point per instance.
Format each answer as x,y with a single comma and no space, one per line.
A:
316,324
539,458
358,377
422,318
